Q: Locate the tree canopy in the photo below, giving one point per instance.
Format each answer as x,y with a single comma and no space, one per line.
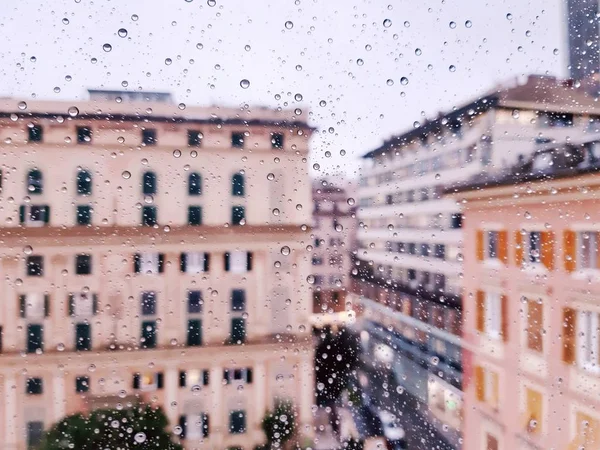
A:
140,427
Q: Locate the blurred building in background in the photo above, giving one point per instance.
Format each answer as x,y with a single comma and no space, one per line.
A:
583,35
410,279
334,231
153,252
532,303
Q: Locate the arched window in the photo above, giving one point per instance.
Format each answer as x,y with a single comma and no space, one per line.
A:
35,182
195,184
149,183
237,185
84,183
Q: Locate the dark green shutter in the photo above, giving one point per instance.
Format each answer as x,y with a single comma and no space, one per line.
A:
205,377
95,304
22,214
161,262
183,262
47,214
226,262
71,305
136,381
249,261
238,330
137,264
182,425
46,305
206,262
22,305
182,378
160,380
205,425
249,375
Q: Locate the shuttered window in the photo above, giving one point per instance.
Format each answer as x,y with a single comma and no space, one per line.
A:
535,325
487,386
532,419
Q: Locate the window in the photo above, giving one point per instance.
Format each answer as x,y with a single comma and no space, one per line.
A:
35,266
83,264
148,381
194,333
238,215
149,136
277,140
34,215
440,251
195,302
194,215
35,386
195,184
83,304
148,263
587,432
148,303
238,330
82,384
237,422
533,414
149,216
194,426
589,256
194,262
84,183
535,325
534,247
491,442
237,185
487,386
84,135
238,300
194,377
491,314
237,140
456,220
588,340
317,261
35,338
149,183
243,375
36,133
83,337
35,432
148,339
34,306
194,138
84,215
238,262
35,182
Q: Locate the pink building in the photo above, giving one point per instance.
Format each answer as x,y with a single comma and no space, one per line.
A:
532,304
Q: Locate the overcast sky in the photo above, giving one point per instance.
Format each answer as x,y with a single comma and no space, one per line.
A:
340,52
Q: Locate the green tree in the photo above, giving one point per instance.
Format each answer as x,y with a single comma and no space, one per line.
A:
140,427
336,357
279,425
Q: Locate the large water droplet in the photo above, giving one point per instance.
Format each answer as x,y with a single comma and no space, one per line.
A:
122,32
73,111
285,250
22,106
245,84
107,47
289,24
387,23
140,437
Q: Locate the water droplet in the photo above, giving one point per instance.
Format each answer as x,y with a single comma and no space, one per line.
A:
406,24
168,61
22,106
387,23
126,174
452,24
310,279
33,59
245,84
418,52
403,81
60,347
360,62
14,117
28,250
298,97
65,21
176,153
351,201
73,111
452,68
316,166
92,368
122,32
509,16
289,24
555,51
275,211
285,250
211,3
468,24
322,103
270,176
134,17
181,106
389,82
107,47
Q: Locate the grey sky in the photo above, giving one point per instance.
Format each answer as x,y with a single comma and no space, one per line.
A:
317,57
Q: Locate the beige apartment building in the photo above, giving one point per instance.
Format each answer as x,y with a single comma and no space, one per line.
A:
334,231
153,252
532,303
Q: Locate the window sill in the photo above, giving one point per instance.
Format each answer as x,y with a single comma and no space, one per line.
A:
493,263
534,268
587,274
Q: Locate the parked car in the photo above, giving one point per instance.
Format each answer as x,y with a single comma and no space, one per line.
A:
392,430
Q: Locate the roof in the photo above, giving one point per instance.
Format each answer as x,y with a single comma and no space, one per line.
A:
540,93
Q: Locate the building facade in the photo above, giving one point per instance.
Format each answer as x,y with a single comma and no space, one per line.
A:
409,280
334,228
532,303
138,265
583,36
